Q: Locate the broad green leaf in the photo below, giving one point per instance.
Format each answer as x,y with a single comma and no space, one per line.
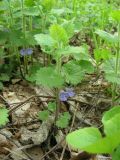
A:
43,115
52,106
72,72
113,77
59,34
116,15
109,69
79,53
4,77
48,4
44,40
116,154
104,145
31,11
83,138
69,27
90,140
3,116
63,121
107,36
86,66
111,121
48,77
109,65
108,115
102,54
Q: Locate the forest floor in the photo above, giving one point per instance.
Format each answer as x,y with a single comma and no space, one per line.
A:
26,137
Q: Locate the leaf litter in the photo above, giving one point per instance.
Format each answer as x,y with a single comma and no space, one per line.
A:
29,133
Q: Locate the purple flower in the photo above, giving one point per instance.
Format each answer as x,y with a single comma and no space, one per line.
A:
70,92
27,51
64,95
23,52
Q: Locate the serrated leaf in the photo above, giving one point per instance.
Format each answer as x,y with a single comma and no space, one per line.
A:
48,77
110,71
79,53
43,115
4,77
48,4
113,77
72,72
44,40
63,121
102,54
3,116
31,11
52,106
59,34
86,66
107,36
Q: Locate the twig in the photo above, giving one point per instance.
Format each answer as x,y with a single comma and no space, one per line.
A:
22,103
52,149
73,120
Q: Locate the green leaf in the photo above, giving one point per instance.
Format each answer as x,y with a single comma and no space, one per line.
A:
111,121
116,154
48,4
83,138
31,11
107,36
48,77
4,77
104,145
44,40
52,106
72,72
1,86
3,116
116,15
90,140
102,54
59,34
86,66
63,121
43,115
79,53
113,77
109,69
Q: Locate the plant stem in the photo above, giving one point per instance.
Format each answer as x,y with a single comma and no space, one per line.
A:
116,65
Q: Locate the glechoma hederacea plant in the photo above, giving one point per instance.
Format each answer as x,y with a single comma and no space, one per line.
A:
91,140
55,76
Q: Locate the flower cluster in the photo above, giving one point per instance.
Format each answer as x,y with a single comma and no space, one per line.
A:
27,51
64,95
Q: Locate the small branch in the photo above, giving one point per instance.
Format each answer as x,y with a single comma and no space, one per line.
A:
27,100
52,149
73,120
